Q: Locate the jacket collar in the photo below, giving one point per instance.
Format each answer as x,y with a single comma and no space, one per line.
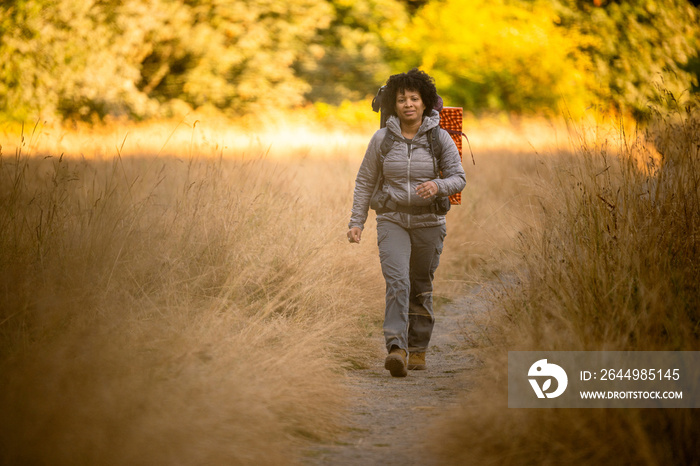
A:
431,121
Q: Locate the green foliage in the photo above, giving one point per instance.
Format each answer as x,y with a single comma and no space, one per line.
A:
498,55
348,60
106,57
636,47
534,55
237,56
71,58
79,59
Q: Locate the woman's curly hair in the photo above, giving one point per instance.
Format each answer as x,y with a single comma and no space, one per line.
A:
413,80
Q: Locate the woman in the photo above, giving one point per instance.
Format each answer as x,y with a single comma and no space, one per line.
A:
410,233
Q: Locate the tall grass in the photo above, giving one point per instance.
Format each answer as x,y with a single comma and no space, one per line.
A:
177,297
195,309
483,232
611,263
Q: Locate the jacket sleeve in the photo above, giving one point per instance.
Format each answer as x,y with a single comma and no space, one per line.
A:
453,178
366,181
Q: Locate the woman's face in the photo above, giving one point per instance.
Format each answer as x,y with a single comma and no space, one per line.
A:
409,106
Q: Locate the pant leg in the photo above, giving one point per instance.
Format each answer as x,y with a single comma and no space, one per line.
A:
426,247
395,255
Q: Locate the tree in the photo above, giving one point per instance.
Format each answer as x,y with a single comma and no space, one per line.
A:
636,47
237,56
349,59
498,55
70,58
99,57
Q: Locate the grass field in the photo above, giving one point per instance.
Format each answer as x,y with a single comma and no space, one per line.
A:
184,293
609,262
187,308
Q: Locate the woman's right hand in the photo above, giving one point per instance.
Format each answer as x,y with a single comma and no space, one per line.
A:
354,234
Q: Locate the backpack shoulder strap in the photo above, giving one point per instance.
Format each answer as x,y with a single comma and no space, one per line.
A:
385,146
435,148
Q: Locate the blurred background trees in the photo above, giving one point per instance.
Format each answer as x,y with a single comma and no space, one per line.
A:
501,55
639,49
86,60
348,59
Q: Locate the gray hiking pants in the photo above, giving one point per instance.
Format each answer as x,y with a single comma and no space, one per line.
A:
409,258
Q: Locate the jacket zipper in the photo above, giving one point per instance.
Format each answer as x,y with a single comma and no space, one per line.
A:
408,182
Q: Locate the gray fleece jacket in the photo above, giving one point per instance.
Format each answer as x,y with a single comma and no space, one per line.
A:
407,165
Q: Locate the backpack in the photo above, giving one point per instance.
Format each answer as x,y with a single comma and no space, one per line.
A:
382,202
450,121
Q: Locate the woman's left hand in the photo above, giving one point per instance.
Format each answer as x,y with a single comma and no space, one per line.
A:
427,190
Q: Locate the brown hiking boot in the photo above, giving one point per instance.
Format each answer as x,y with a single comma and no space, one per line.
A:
416,362
395,362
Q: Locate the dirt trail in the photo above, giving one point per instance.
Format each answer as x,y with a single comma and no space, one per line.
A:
388,416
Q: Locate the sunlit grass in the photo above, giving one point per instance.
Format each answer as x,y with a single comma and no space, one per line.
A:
191,136
170,297
160,310
609,262
284,136
183,291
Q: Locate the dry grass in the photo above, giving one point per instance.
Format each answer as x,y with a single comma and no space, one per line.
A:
610,262
482,233
184,293
176,310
